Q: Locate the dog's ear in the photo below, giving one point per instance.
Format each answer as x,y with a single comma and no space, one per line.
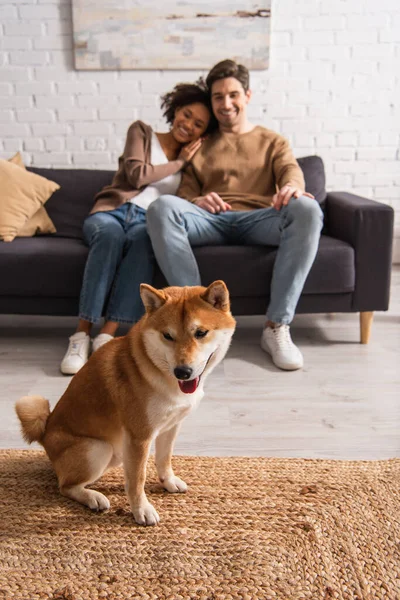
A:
217,295
151,298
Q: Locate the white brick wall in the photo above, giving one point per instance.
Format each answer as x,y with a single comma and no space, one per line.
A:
333,89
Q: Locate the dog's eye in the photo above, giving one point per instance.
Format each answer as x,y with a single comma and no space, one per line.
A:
168,337
200,333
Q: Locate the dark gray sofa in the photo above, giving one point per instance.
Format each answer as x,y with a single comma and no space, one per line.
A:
351,273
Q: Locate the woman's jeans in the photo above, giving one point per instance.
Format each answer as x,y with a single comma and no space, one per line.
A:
120,259
175,225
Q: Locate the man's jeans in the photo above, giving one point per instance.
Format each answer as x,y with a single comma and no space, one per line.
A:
120,258
174,225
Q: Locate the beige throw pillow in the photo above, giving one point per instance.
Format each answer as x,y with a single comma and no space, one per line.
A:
17,160
40,222
22,195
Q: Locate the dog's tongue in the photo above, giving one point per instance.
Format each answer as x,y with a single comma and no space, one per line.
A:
188,387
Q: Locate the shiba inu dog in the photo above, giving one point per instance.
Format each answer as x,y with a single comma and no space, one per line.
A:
133,390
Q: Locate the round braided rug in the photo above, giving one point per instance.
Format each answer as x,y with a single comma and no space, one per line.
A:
248,529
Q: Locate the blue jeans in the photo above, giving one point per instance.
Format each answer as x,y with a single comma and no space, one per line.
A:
120,258
174,225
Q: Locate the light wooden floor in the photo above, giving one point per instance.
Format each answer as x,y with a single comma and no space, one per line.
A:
344,404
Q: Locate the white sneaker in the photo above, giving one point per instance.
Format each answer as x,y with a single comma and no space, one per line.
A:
278,343
77,353
100,340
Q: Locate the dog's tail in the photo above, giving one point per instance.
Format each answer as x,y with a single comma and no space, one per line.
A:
33,412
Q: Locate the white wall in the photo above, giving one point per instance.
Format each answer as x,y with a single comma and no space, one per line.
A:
333,89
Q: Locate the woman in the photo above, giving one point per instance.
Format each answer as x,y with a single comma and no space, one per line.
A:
120,254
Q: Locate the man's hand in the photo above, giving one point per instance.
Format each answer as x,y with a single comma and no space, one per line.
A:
212,202
282,198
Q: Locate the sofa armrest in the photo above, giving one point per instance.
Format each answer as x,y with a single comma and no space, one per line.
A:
367,226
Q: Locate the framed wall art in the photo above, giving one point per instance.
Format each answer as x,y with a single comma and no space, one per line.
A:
186,34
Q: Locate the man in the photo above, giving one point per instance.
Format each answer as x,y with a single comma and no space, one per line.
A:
243,186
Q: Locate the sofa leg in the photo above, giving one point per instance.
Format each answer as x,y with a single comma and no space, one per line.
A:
365,326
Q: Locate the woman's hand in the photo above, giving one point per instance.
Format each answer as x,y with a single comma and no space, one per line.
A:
189,150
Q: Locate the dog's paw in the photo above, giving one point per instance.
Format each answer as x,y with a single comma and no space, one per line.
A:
97,501
175,485
146,515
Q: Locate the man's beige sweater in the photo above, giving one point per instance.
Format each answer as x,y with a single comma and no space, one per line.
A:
245,169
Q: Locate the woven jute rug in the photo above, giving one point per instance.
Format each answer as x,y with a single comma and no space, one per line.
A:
248,529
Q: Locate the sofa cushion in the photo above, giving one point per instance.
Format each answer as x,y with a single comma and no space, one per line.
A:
44,266
314,175
22,194
69,206
247,270
53,267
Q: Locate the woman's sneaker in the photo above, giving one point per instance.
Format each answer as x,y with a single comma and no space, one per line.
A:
100,340
278,343
77,353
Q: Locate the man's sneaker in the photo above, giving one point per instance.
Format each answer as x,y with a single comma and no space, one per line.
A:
100,340
278,343
77,353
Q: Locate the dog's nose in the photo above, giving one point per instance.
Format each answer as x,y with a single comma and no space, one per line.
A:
183,372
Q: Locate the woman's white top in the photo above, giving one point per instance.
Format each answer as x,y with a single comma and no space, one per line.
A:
168,185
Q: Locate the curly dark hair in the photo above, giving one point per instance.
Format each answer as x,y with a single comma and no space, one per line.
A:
184,94
229,68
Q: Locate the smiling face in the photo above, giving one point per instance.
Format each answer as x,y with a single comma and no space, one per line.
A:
229,103
190,122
